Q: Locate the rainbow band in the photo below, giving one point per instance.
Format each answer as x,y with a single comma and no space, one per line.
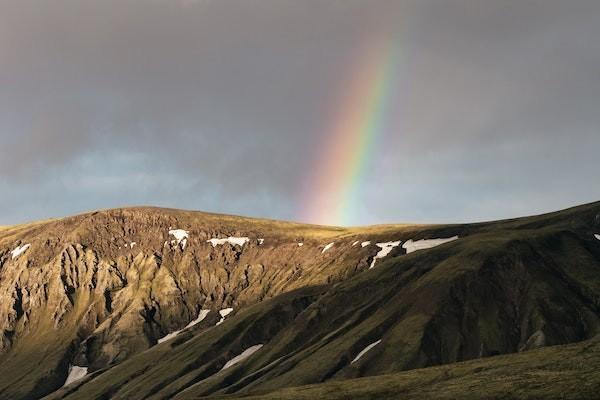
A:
331,197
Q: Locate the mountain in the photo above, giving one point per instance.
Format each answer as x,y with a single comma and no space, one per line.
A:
149,303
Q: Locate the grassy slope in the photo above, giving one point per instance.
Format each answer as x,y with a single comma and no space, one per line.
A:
432,307
560,372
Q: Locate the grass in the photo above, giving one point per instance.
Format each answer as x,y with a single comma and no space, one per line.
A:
559,372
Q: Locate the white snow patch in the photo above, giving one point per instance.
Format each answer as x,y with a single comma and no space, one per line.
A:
365,244
300,244
355,243
240,241
422,244
168,336
224,312
241,357
201,316
132,244
75,374
181,236
19,250
261,241
386,248
363,352
597,236
330,245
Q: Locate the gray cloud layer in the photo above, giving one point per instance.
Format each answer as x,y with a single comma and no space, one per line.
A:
222,105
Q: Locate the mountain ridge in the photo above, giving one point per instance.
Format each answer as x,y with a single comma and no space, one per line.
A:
101,288
286,221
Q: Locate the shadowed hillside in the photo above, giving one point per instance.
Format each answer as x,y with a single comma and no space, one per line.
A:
560,372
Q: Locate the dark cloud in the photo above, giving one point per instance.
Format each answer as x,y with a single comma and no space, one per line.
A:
223,105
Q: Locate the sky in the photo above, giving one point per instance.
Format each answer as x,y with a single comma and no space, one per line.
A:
491,107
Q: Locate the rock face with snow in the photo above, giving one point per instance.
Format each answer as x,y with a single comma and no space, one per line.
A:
201,316
181,237
241,357
320,316
75,374
364,351
130,278
224,313
238,241
386,248
19,250
327,247
422,244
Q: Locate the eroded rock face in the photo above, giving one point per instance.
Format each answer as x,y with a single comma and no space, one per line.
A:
106,299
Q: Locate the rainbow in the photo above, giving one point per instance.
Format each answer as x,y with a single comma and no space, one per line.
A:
331,192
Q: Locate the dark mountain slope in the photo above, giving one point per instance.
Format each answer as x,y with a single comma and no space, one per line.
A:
504,287
568,372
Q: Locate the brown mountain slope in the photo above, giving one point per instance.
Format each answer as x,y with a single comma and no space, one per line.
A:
96,288
503,287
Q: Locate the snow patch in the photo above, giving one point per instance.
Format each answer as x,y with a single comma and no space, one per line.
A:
75,374
365,244
240,241
19,250
224,312
355,243
364,351
422,244
597,236
201,316
300,244
181,236
330,245
169,336
241,357
386,248
261,241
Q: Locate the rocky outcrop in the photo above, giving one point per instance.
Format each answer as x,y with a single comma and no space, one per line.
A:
110,284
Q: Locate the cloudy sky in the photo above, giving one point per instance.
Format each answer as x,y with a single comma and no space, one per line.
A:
223,105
